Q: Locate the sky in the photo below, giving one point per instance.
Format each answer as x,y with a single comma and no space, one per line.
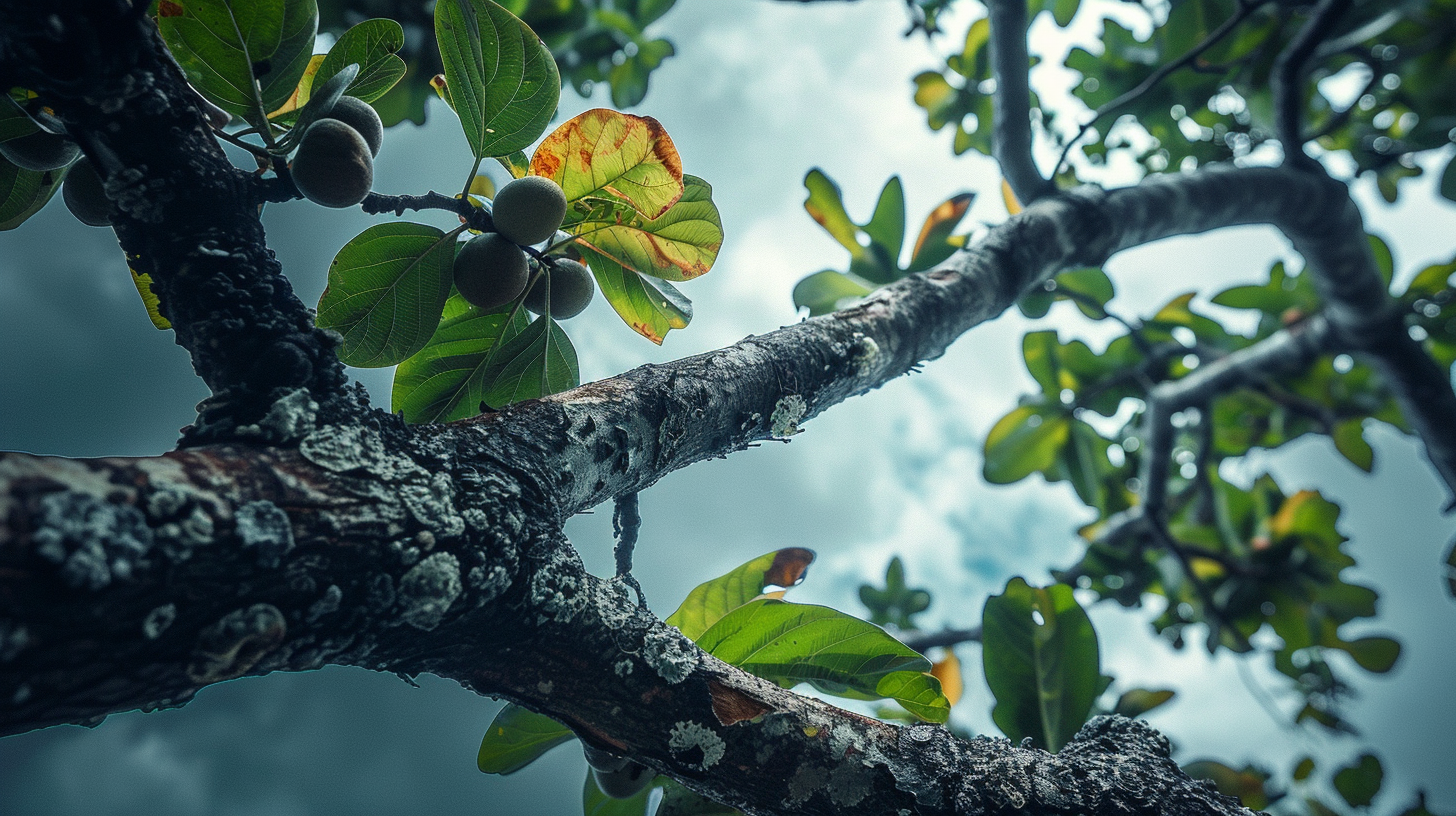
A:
759,93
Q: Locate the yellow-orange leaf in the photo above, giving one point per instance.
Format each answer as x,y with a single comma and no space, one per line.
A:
606,154
948,672
1013,205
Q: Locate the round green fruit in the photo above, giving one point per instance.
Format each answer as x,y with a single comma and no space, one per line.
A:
40,151
490,271
85,195
529,210
571,288
361,116
333,166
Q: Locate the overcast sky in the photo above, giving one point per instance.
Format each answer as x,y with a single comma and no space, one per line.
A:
759,93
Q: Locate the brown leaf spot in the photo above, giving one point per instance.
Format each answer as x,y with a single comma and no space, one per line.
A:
788,567
733,706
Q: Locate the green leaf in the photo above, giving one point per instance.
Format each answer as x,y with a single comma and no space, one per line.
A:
651,307
218,42
1063,11
445,381
1023,442
1041,662
1085,287
1246,785
13,121
1137,702
711,600
535,363
1359,783
24,192
516,738
386,290
503,81
1384,259
1350,442
826,206
1303,769
678,245
920,693
800,643
886,227
603,157
286,66
1374,654
936,243
827,291
371,45
596,803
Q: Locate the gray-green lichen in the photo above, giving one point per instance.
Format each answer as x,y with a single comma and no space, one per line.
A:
157,621
94,542
346,448
427,591
788,413
291,417
670,654
687,735
263,526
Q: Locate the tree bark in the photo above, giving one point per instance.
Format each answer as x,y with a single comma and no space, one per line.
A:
312,531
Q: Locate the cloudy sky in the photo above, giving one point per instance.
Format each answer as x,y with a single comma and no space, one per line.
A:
759,93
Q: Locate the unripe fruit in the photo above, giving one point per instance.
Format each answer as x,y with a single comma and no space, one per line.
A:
40,151
85,195
626,783
571,289
332,166
361,116
490,271
528,210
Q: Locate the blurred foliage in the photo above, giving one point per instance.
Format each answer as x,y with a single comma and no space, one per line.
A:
595,42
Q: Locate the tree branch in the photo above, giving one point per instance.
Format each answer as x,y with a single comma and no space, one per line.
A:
1288,78
1011,103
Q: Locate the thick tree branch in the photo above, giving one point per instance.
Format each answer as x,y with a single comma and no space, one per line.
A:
1011,102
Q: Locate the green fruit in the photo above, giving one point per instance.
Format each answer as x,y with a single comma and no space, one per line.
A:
571,289
626,783
85,195
333,166
40,151
528,210
490,271
361,116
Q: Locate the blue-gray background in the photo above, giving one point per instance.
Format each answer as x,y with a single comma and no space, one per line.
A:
760,93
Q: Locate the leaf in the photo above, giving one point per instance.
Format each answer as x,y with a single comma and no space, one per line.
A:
24,192
14,123
801,643
1359,783
920,693
948,671
1009,199
1041,662
680,244
288,111
371,45
1137,702
1374,654
386,290
936,243
886,227
650,306
1063,11
286,67
1246,785
143,284
1086,287
711,600
538,361
1303,769
503,81
319,102
516,738
828,291
1350,442
1023,442
445,381
1384,259
616,156
826,206
217,43
596,803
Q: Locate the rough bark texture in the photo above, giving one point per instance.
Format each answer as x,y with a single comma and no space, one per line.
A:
311,531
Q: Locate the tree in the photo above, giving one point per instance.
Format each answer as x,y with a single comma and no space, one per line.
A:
882,348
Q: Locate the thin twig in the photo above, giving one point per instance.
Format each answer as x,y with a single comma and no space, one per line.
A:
1287,81
1011,103
626,522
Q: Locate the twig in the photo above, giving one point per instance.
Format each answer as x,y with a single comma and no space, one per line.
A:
475,217
1211,612
1011,103
1245,9
1288,76
626,522
945,638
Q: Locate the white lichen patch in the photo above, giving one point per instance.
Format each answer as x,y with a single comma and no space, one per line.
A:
863,352
265,527
431,504
546,687
788,413
236,642
428,589
556,591
291,417
93,541
157,620
687,735
345,448
488,582
670,654
622,667
327,605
